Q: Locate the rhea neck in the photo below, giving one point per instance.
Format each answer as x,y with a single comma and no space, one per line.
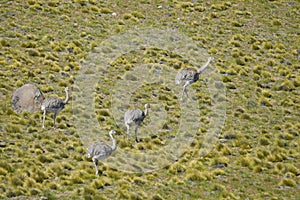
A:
204,66
146,111
114,144
67,97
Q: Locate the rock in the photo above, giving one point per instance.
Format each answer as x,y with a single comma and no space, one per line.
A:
28,97
219,165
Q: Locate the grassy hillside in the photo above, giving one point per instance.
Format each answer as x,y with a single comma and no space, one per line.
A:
255,45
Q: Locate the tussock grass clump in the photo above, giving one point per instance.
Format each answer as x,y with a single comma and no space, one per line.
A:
264,141
262,153
39,176
194,164
287,182
185,5
58,169
2,189
103,182
53,186
10,193
286,85
282,143
32,130
88,191
276,22
218,188
138,15
287,136
123,183
195,175
138,195
177,180
276,157
218,172
114,174
141,146
29,44
176,168
127,16
258,169
34,191
44,158
67,166
157,197
5,165
104,112
38,151
199,8
265,102
105,11
12,128
246,162
30,182
223,149
267,45
221,6
76,179
266,93
297,81
292,169
271,62
98,184
123,194
139,180
3,172
17,181
220,161
5,42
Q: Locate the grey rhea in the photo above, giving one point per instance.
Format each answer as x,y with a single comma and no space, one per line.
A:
100,150
189,76
135,117
54,104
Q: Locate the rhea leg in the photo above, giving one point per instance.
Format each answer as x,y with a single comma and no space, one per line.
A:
128,130
95,161
184,90
44,116
135,132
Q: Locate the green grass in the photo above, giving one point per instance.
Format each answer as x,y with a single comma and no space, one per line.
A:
256,49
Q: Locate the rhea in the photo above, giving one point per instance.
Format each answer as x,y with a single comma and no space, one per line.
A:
135,118
100,150
189,76
55,105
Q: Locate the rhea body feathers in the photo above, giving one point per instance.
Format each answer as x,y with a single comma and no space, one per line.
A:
100,150
55,105
189,76
135,118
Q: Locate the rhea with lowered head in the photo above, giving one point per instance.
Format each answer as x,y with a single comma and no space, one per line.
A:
100,150
189,76
135,118
55,105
